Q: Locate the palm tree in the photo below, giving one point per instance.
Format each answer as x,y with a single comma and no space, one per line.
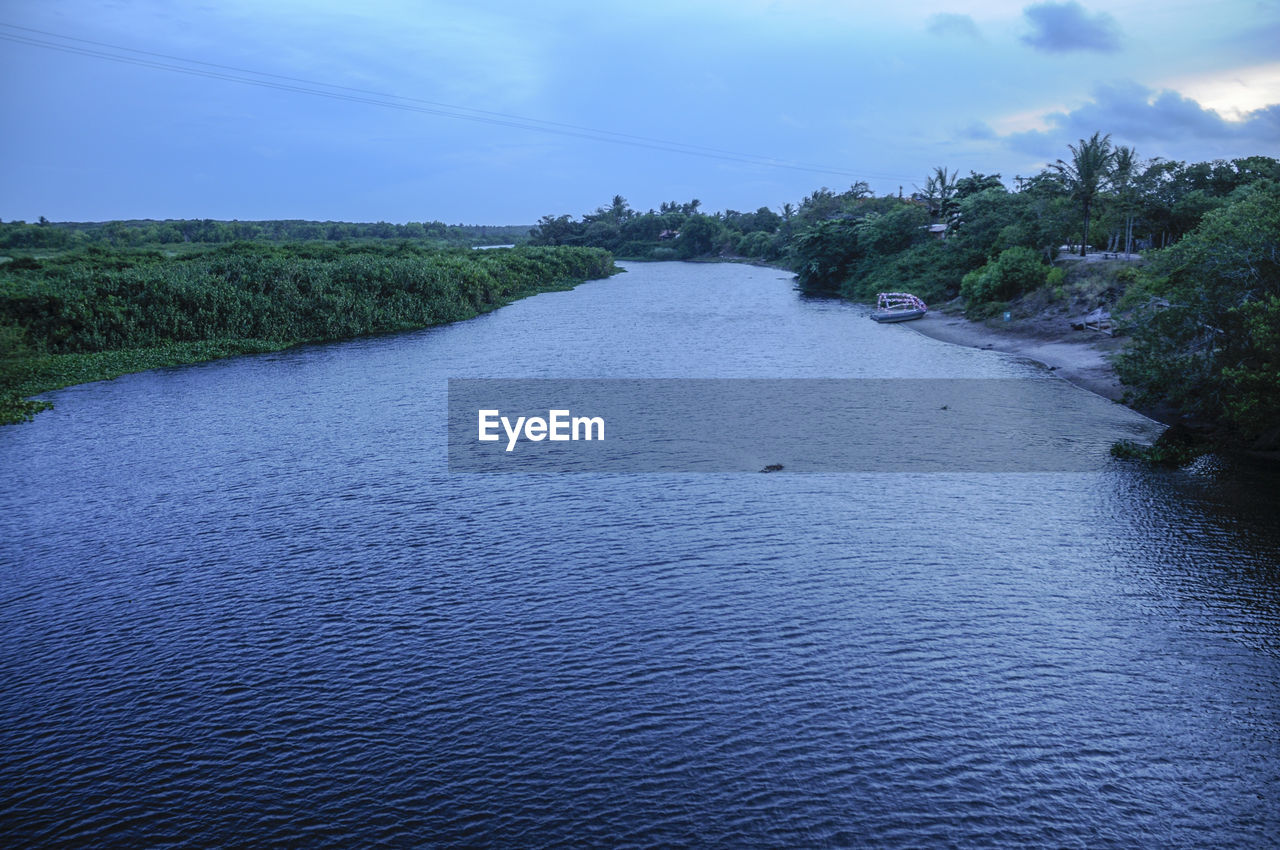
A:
619,210
938,189
1087,174
1123,165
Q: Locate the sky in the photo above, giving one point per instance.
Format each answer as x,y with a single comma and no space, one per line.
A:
502,112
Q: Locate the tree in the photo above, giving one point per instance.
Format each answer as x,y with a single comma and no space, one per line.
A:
1208,340
617,212
975,183
1123,175
698,236
824,254
1087,174
860,190
819,205
766,220
939,191
556,230
894,231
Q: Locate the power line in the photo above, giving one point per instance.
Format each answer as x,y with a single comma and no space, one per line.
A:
298,85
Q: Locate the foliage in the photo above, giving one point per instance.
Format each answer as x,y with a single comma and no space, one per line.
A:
94,313
1015,271
676,231
939,192
14,408
699,237
1161,453
928,269
1087,174
57,236
1208,339
974,183
823,254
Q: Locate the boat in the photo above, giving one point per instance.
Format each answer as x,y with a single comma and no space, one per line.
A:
898,307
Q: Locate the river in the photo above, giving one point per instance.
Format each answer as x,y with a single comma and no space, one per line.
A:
246,603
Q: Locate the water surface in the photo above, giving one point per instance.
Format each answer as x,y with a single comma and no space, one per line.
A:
244,602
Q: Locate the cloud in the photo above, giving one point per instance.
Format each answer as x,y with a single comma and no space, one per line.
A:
978,131
950,24
1063,27
1258,38
1233,92
1163,123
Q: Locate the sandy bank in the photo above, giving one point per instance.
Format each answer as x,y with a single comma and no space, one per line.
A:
1081,357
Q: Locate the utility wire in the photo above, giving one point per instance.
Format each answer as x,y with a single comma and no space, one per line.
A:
261,79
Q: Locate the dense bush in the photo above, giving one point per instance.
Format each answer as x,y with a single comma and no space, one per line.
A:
1015,271
93,314
46,235
100,301
1208,338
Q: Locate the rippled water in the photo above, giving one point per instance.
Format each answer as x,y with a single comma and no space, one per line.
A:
243,603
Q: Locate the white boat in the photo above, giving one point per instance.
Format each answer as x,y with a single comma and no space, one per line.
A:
898,307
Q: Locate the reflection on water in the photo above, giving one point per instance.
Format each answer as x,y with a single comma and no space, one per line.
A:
244,602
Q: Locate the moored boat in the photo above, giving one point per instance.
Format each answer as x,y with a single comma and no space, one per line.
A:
898,307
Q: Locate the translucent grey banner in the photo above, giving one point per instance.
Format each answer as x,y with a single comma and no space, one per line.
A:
787,425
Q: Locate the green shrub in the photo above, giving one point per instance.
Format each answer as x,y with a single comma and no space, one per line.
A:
1177,446
103,304
1207,339
757,244
1015,271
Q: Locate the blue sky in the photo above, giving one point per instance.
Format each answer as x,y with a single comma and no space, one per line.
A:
784,97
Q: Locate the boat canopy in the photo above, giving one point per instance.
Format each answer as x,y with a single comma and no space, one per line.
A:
893,301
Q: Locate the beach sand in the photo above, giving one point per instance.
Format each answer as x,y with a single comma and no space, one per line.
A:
1081,357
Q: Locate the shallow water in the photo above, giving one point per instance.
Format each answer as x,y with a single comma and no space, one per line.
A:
245,602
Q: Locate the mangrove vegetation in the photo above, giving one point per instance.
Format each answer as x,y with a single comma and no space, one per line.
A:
98,312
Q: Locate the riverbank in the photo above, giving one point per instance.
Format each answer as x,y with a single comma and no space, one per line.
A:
94,315
1081,357
22,378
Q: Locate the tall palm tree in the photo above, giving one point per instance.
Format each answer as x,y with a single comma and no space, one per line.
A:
938,189
1087,174
788,213
1124,165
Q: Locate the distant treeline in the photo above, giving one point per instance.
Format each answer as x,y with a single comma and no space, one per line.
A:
1202,312
676,231
853,243
48,235
245,297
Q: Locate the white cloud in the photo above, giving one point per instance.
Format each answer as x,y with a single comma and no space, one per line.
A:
1234,93
1159,123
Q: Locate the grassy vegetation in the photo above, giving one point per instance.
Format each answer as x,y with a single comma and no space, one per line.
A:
176,233
97,313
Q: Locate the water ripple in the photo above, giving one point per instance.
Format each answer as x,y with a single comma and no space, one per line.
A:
242,604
